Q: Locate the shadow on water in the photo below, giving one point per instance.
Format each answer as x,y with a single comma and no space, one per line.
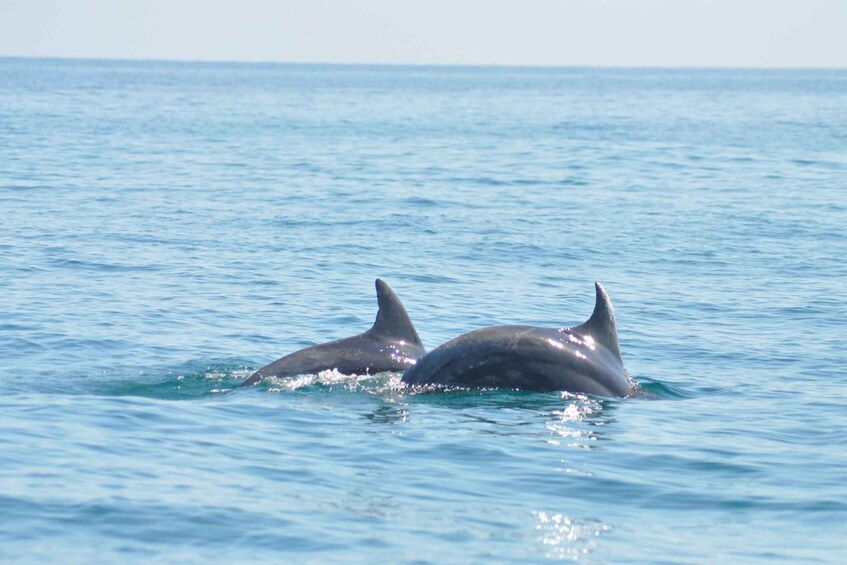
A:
579,418
651,389
199,379
193,380
396,409
388,413
501,399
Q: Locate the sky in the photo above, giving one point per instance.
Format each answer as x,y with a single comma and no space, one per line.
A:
630,33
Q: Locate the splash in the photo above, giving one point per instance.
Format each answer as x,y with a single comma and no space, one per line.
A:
332,380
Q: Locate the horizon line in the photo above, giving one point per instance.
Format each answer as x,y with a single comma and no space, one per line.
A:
421,65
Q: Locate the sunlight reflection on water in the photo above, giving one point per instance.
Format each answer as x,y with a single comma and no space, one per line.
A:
566,538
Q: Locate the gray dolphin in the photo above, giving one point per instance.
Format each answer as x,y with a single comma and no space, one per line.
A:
392,344
581,359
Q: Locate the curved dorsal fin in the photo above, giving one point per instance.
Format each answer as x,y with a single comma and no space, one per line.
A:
392,321
601,324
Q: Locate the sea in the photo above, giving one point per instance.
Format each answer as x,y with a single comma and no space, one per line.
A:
166,228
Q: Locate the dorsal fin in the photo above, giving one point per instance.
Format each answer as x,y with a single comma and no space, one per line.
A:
601,324
392,321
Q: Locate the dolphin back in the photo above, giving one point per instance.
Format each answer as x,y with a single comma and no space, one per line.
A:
582,359
391,344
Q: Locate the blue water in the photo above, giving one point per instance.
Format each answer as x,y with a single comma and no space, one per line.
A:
168,227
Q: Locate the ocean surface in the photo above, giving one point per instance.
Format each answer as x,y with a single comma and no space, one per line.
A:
167,228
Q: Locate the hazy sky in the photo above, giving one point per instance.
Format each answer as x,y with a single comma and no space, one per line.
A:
749,33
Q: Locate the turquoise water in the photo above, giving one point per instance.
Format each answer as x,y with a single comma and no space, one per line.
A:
168,227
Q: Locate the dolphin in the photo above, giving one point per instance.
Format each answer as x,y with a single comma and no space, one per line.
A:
392,344
581,359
